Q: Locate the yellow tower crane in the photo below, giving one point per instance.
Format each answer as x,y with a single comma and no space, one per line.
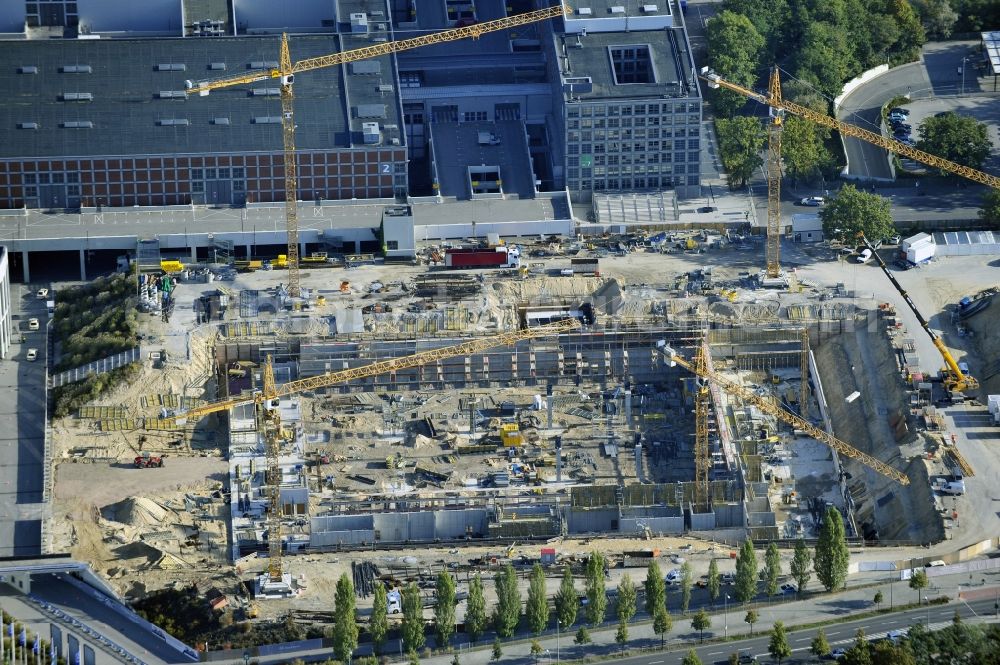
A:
702,401
773,252
778,105
267,400
286,71
769,406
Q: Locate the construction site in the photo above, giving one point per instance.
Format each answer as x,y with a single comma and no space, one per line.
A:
298,414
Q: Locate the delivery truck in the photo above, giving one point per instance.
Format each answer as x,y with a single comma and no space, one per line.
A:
496,257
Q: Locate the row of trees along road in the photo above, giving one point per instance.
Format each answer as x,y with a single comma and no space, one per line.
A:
828,561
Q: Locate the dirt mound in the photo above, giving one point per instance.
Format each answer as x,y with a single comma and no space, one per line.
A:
138,511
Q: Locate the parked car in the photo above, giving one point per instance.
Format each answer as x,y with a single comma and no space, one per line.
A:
896,126
812,201
838,653
902,264
32,355
674,576
33,324
728,578
865,256
43,294
789,588
899,110
956,488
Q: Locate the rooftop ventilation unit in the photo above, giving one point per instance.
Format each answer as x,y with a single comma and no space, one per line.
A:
359,22
27,69
77,97
578,85
173,122
370,132
171,94
267,120
27,125
171,67
650,9
265,92
220,121
617,9
584,11
217,66
77,124
366,67
263,64
385,87
369,111
75,69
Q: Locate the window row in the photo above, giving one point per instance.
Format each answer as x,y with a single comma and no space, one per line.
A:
600,110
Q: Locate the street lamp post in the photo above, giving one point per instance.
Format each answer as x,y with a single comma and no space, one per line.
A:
246,658
928,603
726,614
963,74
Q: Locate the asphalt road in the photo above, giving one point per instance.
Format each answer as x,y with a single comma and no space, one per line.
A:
839,635
22,432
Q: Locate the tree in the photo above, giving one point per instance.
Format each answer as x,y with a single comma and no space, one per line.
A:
960,138
627,599
878,599
740,143
803,150
597,597
508,608
582,636
772,568
497,649
378,626
990,211
826,58
444,608
536,649
413,658
884,652
700,622
918,582
851,212
691,658
345,624
746,573
751,618
820,647
662,623
859,653
621,635
475,609
656,589
799,568
567,601
685,586
714,581
734,50
413,618
832,556
537,609
779,647
937,17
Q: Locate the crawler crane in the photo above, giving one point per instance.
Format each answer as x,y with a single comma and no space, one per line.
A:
955,380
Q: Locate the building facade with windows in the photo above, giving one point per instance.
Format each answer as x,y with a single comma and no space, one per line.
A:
107,123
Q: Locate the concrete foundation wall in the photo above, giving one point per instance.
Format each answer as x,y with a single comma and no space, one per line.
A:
702,521
730,515
654,524
592,521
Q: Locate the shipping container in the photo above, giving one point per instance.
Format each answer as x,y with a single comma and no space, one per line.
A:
500,257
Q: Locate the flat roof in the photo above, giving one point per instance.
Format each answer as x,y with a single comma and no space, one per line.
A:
667,50
456,148
131,94
618,8
991,44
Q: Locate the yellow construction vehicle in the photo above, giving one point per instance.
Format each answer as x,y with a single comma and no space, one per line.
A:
955,380
171,266
285,74
769,406
510,435
280,263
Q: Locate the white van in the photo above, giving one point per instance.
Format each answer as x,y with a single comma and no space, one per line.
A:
865,256
956,488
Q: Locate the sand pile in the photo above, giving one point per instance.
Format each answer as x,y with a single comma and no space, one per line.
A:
137,512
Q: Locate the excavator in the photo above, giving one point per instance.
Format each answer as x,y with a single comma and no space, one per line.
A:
955,380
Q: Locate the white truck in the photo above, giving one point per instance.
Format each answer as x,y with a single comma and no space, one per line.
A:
488,138
394,602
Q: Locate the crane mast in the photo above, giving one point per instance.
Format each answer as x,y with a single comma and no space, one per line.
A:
286,72
702,402
773,252
769,406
